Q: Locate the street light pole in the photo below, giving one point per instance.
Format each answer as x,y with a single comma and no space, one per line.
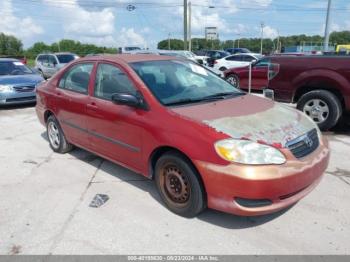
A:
189,26
327,28
262,37
169,42
185,24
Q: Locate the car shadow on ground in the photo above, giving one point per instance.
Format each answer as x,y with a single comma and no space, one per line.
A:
13,107
210,216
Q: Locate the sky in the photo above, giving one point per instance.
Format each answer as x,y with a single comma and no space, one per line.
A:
109,23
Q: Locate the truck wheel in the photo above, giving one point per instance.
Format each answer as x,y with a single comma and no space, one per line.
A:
57,140
321,106
179,186
233,80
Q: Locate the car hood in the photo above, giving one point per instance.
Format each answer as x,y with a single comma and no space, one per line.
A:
251,117
31,79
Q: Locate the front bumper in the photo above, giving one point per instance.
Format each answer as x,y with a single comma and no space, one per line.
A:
279,186
14,98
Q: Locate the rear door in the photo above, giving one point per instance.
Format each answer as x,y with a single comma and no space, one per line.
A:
115,130
72,97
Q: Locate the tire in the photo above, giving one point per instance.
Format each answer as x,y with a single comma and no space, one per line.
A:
223,69
57,140
179,185
233,80
321,106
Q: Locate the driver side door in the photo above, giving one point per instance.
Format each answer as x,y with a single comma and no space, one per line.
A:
114,130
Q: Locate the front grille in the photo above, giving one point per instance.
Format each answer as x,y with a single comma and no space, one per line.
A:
305,144
22,89
20,99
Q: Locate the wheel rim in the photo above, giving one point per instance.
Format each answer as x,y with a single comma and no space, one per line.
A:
233,81
317,110
54,135
175,185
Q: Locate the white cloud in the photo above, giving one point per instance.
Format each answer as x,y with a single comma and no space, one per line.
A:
270,32
94,25
24,28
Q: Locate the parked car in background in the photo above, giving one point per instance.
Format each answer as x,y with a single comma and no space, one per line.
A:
234,61
183,54
319,85
129,49
17,82
49,64
214,55
237,50
204,142
22,59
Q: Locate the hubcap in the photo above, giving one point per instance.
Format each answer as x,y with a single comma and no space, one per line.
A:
317,109
53,134
175,185
232,80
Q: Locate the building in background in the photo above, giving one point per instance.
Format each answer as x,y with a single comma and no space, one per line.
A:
211,33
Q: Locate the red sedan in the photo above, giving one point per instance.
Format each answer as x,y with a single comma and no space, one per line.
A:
204,142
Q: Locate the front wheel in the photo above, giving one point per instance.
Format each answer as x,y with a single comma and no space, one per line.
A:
179,186
322,106
233,80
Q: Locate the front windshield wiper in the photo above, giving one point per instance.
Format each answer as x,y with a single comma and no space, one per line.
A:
217,96
222,95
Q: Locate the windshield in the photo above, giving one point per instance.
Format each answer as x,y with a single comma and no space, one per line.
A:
14,68
182,82
64,59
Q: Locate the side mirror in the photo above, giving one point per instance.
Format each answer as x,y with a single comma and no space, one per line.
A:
129,100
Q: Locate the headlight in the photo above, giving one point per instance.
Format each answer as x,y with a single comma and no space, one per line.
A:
5,88
248,152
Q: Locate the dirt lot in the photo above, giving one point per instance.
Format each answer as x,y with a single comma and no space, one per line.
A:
45,197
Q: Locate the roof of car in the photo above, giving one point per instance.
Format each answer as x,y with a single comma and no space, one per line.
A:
8,60
130,58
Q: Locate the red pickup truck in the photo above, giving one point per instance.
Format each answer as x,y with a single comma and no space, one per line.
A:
320,85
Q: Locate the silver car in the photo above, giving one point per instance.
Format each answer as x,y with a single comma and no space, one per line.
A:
49,64
17,82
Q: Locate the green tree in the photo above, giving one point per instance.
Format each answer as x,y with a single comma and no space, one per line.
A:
10,45
175,44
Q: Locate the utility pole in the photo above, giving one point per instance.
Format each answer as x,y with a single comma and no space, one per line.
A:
169,42
262,36
185,24
327,29
189,27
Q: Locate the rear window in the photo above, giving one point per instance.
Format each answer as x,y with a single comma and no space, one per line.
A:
64,59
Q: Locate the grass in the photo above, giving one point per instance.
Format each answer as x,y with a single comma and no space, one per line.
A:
30,62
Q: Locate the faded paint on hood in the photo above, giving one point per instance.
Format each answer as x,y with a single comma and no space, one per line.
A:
253,118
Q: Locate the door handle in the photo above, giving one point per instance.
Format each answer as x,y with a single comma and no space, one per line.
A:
92,106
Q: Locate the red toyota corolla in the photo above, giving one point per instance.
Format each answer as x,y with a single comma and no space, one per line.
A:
204,142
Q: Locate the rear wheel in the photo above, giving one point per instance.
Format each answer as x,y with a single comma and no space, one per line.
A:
57,140
322,106
179,186
233,80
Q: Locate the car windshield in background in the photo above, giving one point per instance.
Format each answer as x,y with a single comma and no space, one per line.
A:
176,82
64,59
14,68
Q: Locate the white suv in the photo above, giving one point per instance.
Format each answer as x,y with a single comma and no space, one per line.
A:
234,61
49,64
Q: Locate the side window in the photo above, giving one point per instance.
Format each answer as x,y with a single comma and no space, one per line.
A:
77,78
248,58
111,80
233,58
52,60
